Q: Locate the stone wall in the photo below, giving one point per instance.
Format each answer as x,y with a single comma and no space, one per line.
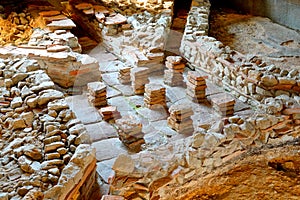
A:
251,78
44,149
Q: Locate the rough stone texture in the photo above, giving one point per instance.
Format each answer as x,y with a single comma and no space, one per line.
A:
40,135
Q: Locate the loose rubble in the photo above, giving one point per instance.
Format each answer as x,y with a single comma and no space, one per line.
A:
17,28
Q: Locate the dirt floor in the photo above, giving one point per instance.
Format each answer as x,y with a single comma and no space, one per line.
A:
267,174
258,36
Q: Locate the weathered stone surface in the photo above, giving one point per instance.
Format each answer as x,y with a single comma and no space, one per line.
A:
269,80
18,124
53,146
49,95
33,152
124,164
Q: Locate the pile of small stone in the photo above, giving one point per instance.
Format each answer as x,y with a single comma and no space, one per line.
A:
16,28
173,75
224,105
155,96
109,113
97,94
180,118
56,41
130,132
196,86
139,78
124,75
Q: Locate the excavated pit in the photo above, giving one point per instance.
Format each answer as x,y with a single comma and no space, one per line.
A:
216,162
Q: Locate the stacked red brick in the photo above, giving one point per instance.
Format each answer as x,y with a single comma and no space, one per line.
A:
124,75
173,76
54,20
180,118
97,94
130,132
155,96
139,78
224,105
109,113
196,86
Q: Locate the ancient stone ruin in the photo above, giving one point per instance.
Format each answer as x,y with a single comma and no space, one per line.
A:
140,99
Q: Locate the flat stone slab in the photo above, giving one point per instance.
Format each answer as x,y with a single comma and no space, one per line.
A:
117,19
122,105
175,94
153,115
49,13
162,127
108,149
100,53
126,90
86,113
104,169
111,92
62,24
136,101
111,66
240,106
154,139
101,131
111,79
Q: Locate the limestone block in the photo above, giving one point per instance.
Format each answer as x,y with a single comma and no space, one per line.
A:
53,146
198,140
3,196
17,124
16,102
25,163
263,123
33,152
49,95
124,164
28,118
268,80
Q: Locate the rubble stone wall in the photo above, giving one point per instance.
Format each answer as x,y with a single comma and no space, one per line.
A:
251,79
45,150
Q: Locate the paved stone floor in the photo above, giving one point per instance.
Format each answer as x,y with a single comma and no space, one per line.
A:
104,135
